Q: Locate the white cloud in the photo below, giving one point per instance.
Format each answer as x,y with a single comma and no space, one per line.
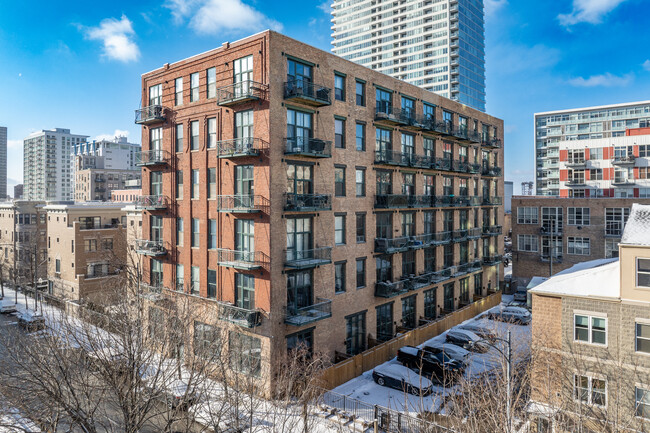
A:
117,37
588,11
603,80
491,6
326,7
646,65
210,17
117,133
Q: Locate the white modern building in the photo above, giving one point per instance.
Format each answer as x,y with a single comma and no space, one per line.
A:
3,162
46,158
438,45
580,124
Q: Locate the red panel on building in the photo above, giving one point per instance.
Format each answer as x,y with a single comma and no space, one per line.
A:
564,154
586,154
587,192
637,131
636,192
606,175
607,152
587,174
564,175
635,150
564,192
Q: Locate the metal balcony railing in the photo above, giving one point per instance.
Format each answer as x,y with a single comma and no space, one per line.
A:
151,157
493,230
623,181
242,259
624,160
242,203
491,142
307,202
150,248
307,146
492,260
576,182
307,92
460,235
241,147
490,171
295,316
151,202
239,316
100,179
474,233
92,226
150,114
442,275
443,127
395,201
391,245
575,162
384,112
304,259
240,92
390,157
492,201
389,289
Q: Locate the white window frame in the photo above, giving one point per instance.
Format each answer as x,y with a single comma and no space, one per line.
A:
573,220
578,252
522,218
646,391
590,316
533,241
590,389
636,272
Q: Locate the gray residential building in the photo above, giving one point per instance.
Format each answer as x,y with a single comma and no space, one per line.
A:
438,45
3,162
18,191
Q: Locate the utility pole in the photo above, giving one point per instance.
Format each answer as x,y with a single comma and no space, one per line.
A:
509,384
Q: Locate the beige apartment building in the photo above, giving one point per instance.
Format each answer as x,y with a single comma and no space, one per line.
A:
23,245
311,201
97,184
591,341
86,250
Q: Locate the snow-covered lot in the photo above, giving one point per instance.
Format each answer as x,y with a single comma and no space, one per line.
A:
364,388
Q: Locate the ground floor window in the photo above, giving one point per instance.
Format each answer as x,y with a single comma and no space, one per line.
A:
430,304
590,390
408,312
355,341
302,341
206,341
385,322
245,353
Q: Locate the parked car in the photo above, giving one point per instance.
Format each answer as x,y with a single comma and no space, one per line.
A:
467,340
431,365
480,330
31,321
404,379
7,307
510,315
521,295
450,350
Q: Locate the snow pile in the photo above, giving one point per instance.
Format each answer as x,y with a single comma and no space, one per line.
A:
637,228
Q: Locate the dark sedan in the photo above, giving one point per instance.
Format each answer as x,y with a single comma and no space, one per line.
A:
401,378
467,340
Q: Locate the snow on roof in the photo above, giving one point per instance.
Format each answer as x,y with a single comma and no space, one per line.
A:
637,228
597,278
535,281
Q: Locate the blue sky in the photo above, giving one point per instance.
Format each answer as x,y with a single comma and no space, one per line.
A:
77,64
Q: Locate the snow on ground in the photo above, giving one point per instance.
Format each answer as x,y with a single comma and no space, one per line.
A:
364,388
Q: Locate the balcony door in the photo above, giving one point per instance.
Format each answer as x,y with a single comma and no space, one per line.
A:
299,179
299,77
408,312
155,95
242,75
299,127
299,291
155,183
244,186
156,227
449,297
245,291
245,239
299,238
356,334
244,129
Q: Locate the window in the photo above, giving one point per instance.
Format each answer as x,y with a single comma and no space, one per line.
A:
615,219
212,234
642,272
408,183
384,182
178,91
408,264
212,283
179,137
361,273
299,130
339,229
194,193
384,225
527,215
552,219
179,185
590,390
430,305
194,87
212,83
611,248
360,88
206,340
361,137
339,133
212,133
464,291
408,107
155,95
642,402
195,233
339,181
385,322
90,245
339,87
384,101
642,341
528,243
212,183
590,329
430,259
302,340
361,182
245,291
478,284
429,185
179,232
245,353
155,139
195,280
57,264
339,277
596,174
242,74
578,216
361,227
578,246
194,139
180,277
408,224
107,244
408,312
355,341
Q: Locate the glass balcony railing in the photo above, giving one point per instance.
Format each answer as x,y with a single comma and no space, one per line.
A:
320,310
389,289
242,203
244,317
392,245
152,202
305,259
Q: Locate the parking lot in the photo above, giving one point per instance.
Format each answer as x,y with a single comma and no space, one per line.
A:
364,387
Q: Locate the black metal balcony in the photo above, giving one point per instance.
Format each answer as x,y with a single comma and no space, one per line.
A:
490,171
389,289
491,142
445,164
474,168
492,201
624,160
307,93
305,259
151,157
322,309
444,128
442,275
150,248
492,260
461,166
462,200
306,146
242,203
242,259
390,157
493,230
460,235
239,316
385,113
100,179
475,265
241,92
100,189
241,147
445,200
474,233
152,202
396,201
307,202
150,114
392,245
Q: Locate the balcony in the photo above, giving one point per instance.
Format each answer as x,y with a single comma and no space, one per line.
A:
238,93
242,203
306,146
624,160
474,233
151,157
392,245
386,114
305,259
494,230
576,162
465,200
307,93
492,201
152,202
307,202
623,181
239,316
390,157
151,292
396,201
490,171
92,226
99,180
460,235
389,289
492,260
150,248
100,189
322,309
576,182
241,147
444,128
494,143
149,115
237,259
